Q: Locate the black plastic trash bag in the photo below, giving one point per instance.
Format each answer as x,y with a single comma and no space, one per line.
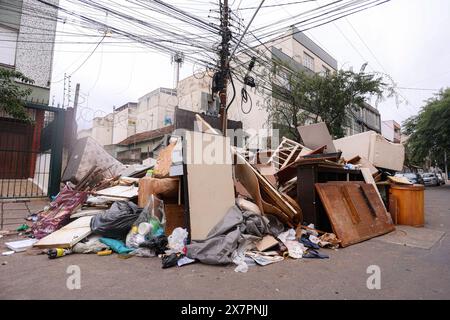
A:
116,221
158,244
170,260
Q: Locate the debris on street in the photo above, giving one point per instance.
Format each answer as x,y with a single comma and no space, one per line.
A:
302,201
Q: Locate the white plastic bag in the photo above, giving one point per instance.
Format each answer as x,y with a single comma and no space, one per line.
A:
177,240
239,261
295,249
287,235
134,239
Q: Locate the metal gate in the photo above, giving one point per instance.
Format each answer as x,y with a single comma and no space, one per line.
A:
31,153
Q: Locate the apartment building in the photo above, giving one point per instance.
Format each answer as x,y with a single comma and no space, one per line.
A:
27,40
156,109
391,130
364,119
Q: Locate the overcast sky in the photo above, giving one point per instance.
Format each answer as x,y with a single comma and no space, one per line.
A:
408,39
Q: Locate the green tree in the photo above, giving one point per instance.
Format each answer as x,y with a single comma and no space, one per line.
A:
328,97
429,131
12,95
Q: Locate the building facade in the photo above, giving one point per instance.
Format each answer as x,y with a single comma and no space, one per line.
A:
156,109
27,37
114,127
365,119
32,152
391,130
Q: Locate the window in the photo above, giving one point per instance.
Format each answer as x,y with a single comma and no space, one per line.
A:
308,61
325,69
8,39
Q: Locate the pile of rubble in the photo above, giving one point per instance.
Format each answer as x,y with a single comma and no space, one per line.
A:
205,200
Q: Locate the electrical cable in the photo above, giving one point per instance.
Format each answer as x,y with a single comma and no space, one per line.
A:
244,99
85,60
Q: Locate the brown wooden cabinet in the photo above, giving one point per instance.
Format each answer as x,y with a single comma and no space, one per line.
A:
308,175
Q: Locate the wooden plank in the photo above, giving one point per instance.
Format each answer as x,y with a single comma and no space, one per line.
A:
368,224
246,176
368,178
85,213
67,236
174,217
119,192
286,162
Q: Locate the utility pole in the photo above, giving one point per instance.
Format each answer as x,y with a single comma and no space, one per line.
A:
224,64
445,163
75,102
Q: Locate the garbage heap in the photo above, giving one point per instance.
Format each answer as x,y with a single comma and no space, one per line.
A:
204,200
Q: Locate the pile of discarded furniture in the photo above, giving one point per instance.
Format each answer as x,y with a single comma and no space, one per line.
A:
205,200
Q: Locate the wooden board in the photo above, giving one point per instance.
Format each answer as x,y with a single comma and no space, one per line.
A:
355,211
210,181
84,213
174,217
165,188
246,176
127,192
368,178
68,235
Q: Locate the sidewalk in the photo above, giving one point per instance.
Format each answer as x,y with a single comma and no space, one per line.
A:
13,212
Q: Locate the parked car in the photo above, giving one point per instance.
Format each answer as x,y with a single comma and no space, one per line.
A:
430,179
413,177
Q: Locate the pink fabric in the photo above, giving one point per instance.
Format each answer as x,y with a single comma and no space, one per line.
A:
59,212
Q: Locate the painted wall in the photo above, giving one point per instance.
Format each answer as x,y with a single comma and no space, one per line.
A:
124,124
102,129
155,110
391,130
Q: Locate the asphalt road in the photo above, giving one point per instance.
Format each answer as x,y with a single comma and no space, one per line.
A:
406,273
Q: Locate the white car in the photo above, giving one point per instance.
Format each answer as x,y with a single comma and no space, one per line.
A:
430,179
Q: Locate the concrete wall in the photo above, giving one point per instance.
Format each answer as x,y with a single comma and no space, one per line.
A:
102,129
124,124
155,109
84,133
391,130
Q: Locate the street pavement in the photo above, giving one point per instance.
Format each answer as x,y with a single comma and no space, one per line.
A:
405,272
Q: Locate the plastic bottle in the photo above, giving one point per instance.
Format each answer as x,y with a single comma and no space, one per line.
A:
58,252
